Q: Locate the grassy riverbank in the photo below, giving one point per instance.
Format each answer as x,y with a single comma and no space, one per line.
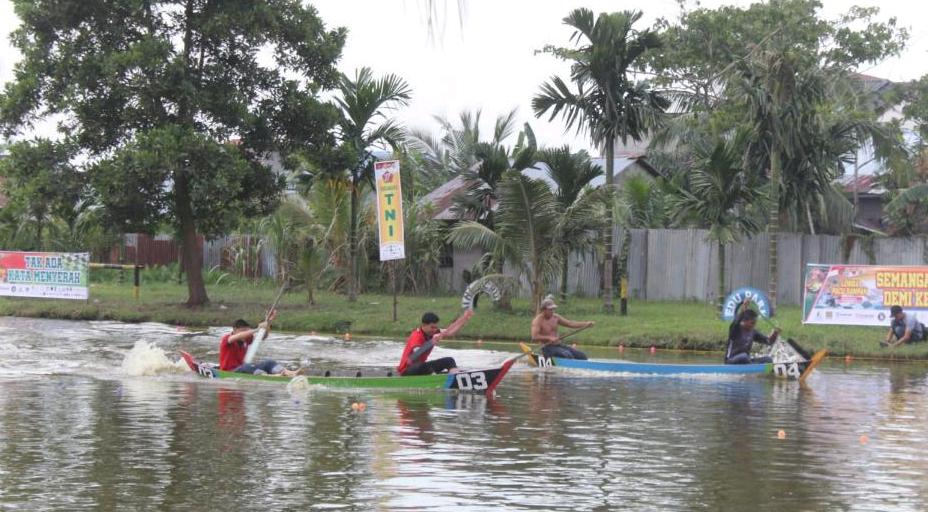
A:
680,325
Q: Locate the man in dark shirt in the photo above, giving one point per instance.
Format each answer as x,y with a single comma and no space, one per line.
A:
904,327
742,335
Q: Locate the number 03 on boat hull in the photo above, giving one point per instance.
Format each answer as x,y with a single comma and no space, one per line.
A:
474,381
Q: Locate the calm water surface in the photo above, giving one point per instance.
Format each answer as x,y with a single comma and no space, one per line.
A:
78,432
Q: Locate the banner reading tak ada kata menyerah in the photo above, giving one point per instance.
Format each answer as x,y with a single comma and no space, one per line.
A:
51,275
863,294
390,210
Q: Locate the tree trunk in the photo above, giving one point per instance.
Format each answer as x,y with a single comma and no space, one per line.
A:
773,224
38,234
721,283
608,306
191,257
565,270
809,217
353,244
623,271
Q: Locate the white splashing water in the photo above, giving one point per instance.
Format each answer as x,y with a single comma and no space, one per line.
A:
147,359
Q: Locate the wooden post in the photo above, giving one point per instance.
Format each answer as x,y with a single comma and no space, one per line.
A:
393,277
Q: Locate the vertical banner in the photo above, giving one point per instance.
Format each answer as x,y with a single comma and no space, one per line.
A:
863,294
389,210
49,275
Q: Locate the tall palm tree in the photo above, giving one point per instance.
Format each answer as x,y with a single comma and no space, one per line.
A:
716,193
364,101
781,94
571,173
606,103
530,228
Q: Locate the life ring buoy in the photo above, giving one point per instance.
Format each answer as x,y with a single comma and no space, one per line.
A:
758,298
477,288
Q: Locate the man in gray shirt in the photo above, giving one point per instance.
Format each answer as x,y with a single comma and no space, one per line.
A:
905,328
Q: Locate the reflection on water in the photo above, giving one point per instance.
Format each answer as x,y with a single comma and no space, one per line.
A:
78,433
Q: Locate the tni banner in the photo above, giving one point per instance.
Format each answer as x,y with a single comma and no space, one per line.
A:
390,210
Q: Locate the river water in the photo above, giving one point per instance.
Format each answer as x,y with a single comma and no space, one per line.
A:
91,420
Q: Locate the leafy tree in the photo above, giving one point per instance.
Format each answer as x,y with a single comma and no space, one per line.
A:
172,107
42,184
908,177
606,103
571,173
364,101
719,195
771,68
530,228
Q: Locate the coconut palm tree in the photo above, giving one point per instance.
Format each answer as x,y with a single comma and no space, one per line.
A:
716,193
606,102
530,228
571,173
364,102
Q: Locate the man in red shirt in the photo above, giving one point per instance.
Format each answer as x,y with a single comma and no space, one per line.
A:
421,342
234,346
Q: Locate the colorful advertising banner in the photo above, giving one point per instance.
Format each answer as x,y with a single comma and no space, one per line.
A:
390,210
49,275
863,294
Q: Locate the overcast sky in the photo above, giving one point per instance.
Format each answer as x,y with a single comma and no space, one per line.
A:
482,53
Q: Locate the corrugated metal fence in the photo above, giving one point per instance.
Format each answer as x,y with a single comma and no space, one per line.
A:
683,264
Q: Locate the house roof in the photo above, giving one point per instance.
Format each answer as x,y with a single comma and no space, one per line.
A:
442,198
867,184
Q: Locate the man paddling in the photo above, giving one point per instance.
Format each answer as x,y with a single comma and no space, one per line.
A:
904,327
544,331
421,342
742,335
234,346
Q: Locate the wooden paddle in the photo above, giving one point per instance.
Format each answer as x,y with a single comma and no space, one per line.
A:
262,332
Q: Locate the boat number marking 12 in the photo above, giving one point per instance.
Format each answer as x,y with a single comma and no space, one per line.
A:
786,370
474,380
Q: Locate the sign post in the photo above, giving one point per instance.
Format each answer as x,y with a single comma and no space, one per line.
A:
390,217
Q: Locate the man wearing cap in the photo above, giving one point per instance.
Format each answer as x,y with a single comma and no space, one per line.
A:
234,346
904,327
544,331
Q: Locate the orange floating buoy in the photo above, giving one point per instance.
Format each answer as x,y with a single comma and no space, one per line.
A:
781,434
361,406
355,406
621,348
653,349
347,336
864,439
848,359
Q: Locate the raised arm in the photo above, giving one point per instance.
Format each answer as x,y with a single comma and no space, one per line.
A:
456,325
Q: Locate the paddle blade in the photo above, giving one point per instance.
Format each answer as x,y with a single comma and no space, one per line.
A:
253,348
816,360
532,359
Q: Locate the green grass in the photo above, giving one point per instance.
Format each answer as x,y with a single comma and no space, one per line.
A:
676,325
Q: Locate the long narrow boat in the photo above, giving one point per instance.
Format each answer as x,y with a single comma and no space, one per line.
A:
477,381
789,362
